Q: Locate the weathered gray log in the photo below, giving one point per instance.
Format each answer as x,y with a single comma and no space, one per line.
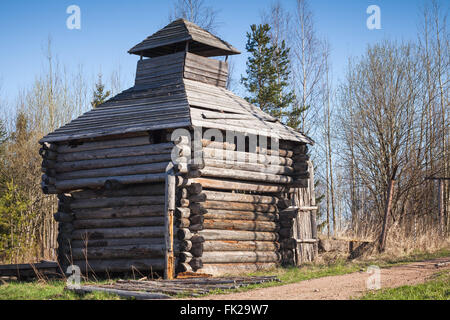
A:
69,166
118,223
253,167
241,225
117,171
196,263
223,184
218,145
240,257
117,152
63,217
240,215
122,265
50,146
184,234
116,202
196,227
240,206
183,245
185,257
131,190
182,212
196,219
245,175
183,267
210,234
234,268
183,223
116,233
237,245
195,188
99,182
197,249
197,239
233,156
234,197
138,295
119,212
92,243
105,144
130,251
48,154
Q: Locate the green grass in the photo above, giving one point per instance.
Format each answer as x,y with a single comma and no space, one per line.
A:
54,290
436,289
49,290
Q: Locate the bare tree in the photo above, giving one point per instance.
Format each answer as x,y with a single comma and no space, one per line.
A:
197,12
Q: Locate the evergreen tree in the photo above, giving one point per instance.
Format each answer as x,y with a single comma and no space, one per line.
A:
268,73
99,95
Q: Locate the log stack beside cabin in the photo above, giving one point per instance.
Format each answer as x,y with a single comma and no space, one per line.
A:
134,194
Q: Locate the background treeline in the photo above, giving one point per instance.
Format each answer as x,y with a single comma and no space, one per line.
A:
388,113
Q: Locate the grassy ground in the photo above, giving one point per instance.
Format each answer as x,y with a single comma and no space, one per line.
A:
54,290
436,289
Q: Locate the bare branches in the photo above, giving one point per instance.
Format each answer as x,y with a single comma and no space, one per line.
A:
197,12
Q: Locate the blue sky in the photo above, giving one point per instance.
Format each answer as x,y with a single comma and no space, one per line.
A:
110,28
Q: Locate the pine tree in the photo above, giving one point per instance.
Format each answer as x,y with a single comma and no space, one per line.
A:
99,95
268,73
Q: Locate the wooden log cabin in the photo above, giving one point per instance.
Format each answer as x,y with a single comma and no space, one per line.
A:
144,185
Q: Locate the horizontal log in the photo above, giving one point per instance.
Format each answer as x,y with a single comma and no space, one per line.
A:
117,171
117,233
245,175
241,225
233,197
183,267
240,257
130,190
69,166
65,185
119,212
224,184
221,269
118,223
197,219
240,246
116,202
63,217
184,234
50,146
130,251
196,227
104,144
210,234
238,206
138,295
254,167
240,215
92,243
196,263
195,188
218,145
184,257
182,212
123,265
48,154
117,152
233,156
183,223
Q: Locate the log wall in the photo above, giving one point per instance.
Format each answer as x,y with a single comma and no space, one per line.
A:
228,216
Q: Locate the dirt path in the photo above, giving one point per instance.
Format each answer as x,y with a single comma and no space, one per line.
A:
341,287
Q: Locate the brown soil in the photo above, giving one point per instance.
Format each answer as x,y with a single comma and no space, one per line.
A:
341,287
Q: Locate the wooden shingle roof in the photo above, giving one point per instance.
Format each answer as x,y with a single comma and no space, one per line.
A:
174,36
